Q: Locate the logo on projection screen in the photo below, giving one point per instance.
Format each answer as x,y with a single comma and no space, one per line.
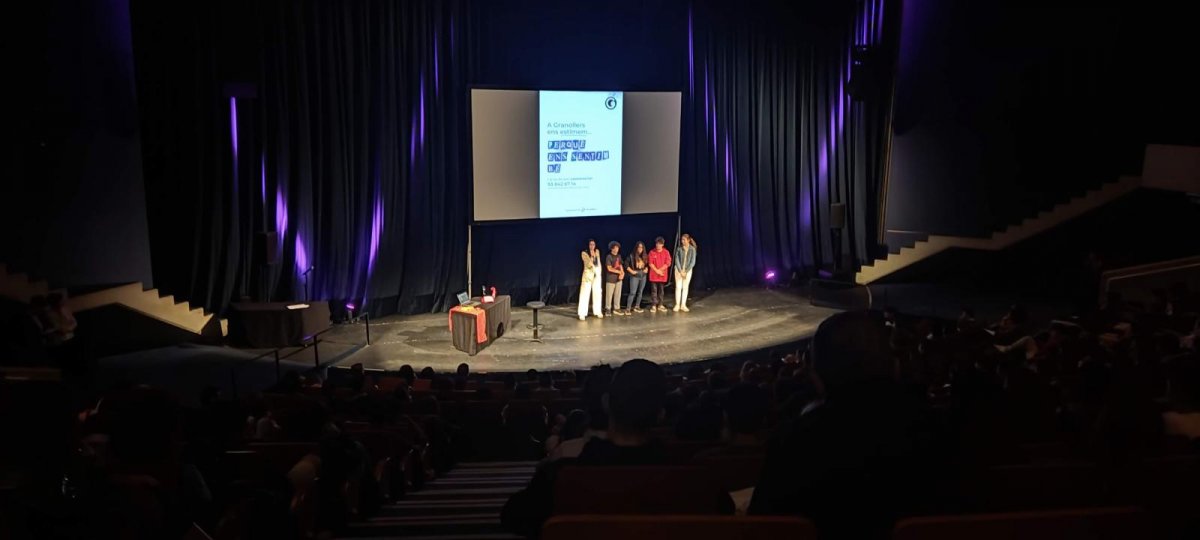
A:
610,103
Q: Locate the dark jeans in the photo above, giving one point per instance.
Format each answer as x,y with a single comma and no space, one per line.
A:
637,284
657,296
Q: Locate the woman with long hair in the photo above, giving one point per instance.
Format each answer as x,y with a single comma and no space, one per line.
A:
589,282
637,267
685,260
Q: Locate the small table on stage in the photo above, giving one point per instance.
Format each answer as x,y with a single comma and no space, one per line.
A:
272,324
465,330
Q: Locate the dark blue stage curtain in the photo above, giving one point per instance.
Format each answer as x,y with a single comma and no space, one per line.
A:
352,140
350,123
771,138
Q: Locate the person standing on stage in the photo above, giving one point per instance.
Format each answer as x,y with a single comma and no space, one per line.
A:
637,268
614,277
660,261
589,283
685,260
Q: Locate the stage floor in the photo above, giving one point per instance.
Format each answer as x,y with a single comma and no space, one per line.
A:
722,323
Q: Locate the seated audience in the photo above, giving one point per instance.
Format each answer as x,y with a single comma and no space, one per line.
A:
566,428
634,404
746,408
571,447
1182,415
856,462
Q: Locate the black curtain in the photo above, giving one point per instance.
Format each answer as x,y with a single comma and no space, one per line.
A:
350,146
771,138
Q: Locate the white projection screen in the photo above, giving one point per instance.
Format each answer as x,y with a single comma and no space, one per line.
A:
550,153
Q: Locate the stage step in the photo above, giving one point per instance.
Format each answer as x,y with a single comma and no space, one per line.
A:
134,296
147,302
1013,234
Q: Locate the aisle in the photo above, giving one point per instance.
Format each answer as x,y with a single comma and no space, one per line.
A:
463,504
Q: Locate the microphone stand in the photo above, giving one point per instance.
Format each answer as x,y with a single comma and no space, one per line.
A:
307,284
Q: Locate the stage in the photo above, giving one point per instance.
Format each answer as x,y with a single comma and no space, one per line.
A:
721,323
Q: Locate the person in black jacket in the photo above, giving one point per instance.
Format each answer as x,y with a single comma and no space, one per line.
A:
863,455
634,403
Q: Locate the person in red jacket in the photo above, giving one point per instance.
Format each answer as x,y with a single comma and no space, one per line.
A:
660,262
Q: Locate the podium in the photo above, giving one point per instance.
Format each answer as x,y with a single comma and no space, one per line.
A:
465,333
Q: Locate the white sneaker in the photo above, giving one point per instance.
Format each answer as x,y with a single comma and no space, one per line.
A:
583,317
599,315
676,308
684,309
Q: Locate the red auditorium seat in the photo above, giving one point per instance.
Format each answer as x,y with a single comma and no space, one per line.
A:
609,527
1041,487
732,473
244,465
1169,489
280,457
638,490
393,459
1085,524
682,451
422,385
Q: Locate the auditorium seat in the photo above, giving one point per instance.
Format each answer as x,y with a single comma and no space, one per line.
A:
732,473
1076,524
564,406
1040,486
388,383
1167,487
638,490
393,461
244,466
609,527
682,451
279,457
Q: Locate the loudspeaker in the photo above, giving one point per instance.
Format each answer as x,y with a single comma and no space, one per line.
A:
864,73
266,247
837,216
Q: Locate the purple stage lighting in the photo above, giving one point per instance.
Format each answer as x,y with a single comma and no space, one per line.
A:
350,306
770,275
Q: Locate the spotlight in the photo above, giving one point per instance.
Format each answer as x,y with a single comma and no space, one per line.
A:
345,312
770,275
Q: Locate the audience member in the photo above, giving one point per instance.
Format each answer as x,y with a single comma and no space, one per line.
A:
1182,415
60,319
634,404
746,408
462,376
858,460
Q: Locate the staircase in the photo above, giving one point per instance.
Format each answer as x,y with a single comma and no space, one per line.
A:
133,296
1028,228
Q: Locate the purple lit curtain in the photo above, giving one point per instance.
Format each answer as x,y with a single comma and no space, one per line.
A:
350,146
771,137
352,141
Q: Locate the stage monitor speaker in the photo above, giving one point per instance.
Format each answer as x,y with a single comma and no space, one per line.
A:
837,216
266,247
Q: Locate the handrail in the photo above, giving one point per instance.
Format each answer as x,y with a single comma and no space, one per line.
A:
1149,269
307,341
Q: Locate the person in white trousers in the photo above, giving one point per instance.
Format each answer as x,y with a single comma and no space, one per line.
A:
590,287
685,260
